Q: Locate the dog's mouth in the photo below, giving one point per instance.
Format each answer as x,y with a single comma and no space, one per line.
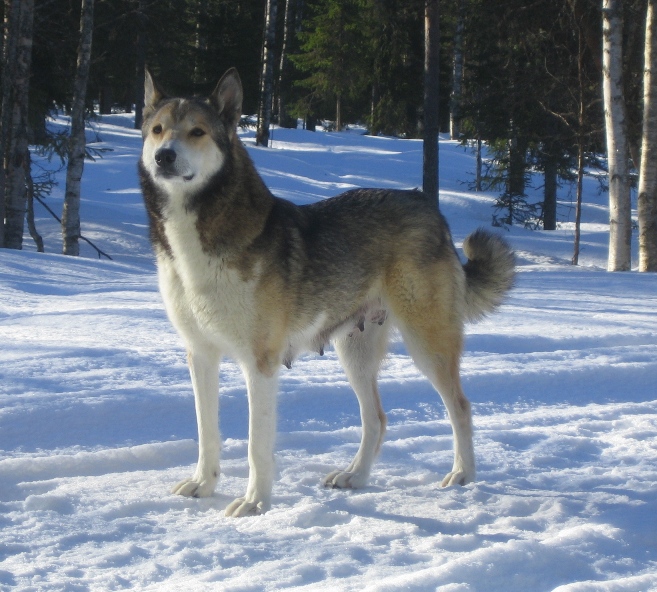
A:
170,175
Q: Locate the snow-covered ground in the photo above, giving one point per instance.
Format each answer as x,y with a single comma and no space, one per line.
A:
97,417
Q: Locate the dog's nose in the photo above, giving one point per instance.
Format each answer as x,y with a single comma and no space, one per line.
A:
165,157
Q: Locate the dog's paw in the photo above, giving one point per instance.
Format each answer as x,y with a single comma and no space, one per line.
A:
458,477
194,488
241,507
345,480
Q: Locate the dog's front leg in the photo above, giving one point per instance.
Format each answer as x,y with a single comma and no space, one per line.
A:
262,391
204,370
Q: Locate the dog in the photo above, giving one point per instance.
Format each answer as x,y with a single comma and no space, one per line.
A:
248,275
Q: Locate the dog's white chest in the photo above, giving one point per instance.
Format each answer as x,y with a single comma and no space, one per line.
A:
204,297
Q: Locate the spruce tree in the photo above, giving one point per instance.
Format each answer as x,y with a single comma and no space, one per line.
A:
332,48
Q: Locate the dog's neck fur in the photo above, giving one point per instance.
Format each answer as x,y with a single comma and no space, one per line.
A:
234,212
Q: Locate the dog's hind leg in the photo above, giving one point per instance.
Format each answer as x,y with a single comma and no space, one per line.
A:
204,370
437,355
426,300
361,355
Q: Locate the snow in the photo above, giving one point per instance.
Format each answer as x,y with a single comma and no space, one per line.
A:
97,418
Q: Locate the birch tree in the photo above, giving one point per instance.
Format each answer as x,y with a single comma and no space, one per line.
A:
141,46
620,220
267,78
431,98
16,83
457,74
580,140
77,143
8,58
284,82
648,176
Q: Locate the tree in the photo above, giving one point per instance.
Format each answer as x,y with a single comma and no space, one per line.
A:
34,233
142,43
56,36
267,75
331,52
457,74
581,111
521,96
647,205
116,26
620,220
504,81
550,152
431,99
77,143
8,58
16,78
284,68
395,43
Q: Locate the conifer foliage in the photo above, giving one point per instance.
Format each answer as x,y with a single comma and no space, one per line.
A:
522,80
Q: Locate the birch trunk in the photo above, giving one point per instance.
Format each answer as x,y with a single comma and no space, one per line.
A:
620,219
478,174
580,145
200,41
77,143
15,182
431,87
550,186
267,78
457,75
284,120
34,233
648,177
9,39
142,25
578,206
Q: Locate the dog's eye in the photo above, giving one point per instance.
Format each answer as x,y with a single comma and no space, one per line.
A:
197,132
157,129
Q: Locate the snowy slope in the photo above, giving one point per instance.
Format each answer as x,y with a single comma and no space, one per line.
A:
97,418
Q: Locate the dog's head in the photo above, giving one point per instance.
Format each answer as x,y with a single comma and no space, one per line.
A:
186,140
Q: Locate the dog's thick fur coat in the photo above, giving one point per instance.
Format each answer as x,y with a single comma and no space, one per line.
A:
246,274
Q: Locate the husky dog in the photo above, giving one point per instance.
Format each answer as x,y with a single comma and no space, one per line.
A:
245,274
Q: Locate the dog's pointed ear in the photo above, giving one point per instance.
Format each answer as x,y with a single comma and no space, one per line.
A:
153,94
227,98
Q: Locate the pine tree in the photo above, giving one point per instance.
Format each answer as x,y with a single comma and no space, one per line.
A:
331,54
395,42
521,93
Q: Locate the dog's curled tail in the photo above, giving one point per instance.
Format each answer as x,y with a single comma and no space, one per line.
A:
489,273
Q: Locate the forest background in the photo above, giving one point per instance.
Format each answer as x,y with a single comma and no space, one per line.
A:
523,78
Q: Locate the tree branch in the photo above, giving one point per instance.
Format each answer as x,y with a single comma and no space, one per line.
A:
86,240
